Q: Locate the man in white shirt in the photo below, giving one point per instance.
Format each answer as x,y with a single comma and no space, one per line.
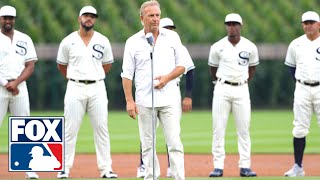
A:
84,58
186,104
303,59
232,62
168,64
17,61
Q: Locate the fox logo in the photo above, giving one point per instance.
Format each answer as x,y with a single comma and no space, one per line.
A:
36,143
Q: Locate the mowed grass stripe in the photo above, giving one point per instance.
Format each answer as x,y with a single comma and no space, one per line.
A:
271,132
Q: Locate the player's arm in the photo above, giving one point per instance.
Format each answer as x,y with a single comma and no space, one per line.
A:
106,68
290,60
213,73
292,71
63,69
25,74
252,70
187,100
131,105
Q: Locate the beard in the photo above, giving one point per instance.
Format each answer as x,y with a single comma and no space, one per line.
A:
7,27
87,28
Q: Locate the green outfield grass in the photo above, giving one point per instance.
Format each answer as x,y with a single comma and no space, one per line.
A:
270,133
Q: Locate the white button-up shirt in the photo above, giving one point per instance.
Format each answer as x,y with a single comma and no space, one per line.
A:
305,56
233,61
167,55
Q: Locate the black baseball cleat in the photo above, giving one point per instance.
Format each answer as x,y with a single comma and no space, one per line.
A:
247,172
63,175
216,173
110,175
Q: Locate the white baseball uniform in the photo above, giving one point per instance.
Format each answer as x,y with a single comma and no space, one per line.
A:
304,55
137,64
233,64
86,92
13,56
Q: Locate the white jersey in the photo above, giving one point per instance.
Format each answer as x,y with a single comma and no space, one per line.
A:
188,60
233,61
14,54
305,56
168,54
85,62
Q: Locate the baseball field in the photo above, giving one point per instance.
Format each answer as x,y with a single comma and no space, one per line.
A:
270,133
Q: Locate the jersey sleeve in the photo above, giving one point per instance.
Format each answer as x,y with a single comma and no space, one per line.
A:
189,62
62,57
31,52
108,55
254,56
290,57
213,56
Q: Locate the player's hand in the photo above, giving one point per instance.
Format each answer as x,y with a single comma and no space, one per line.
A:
187,104
160,82
15,92
132,109
11,86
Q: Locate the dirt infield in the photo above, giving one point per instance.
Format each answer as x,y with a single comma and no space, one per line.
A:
125,165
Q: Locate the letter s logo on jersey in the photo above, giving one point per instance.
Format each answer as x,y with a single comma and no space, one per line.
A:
244,58
21,48
36,144
318,54
98,51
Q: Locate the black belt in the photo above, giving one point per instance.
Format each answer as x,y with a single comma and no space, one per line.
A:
85,81
9,80
309,84
233,83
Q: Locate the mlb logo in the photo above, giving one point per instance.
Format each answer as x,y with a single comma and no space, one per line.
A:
36,144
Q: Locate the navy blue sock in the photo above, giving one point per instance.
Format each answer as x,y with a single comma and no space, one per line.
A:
141,162
168,156
298,146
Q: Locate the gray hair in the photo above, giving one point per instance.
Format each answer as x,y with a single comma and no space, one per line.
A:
147,4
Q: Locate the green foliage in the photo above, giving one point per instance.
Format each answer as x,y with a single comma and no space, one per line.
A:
270,133
197,20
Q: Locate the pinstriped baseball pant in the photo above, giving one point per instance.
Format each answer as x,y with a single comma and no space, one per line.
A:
235,99
306,101
18,105
91,98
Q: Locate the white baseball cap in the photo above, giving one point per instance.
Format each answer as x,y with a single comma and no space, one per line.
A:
165,22
310,16
233,18
88,9
8,11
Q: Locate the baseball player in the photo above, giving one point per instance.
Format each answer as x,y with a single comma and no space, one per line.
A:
38,159
168,64
232,62
17,61
84,57
303,59
187,100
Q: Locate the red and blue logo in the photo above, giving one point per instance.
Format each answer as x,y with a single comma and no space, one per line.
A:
36,144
